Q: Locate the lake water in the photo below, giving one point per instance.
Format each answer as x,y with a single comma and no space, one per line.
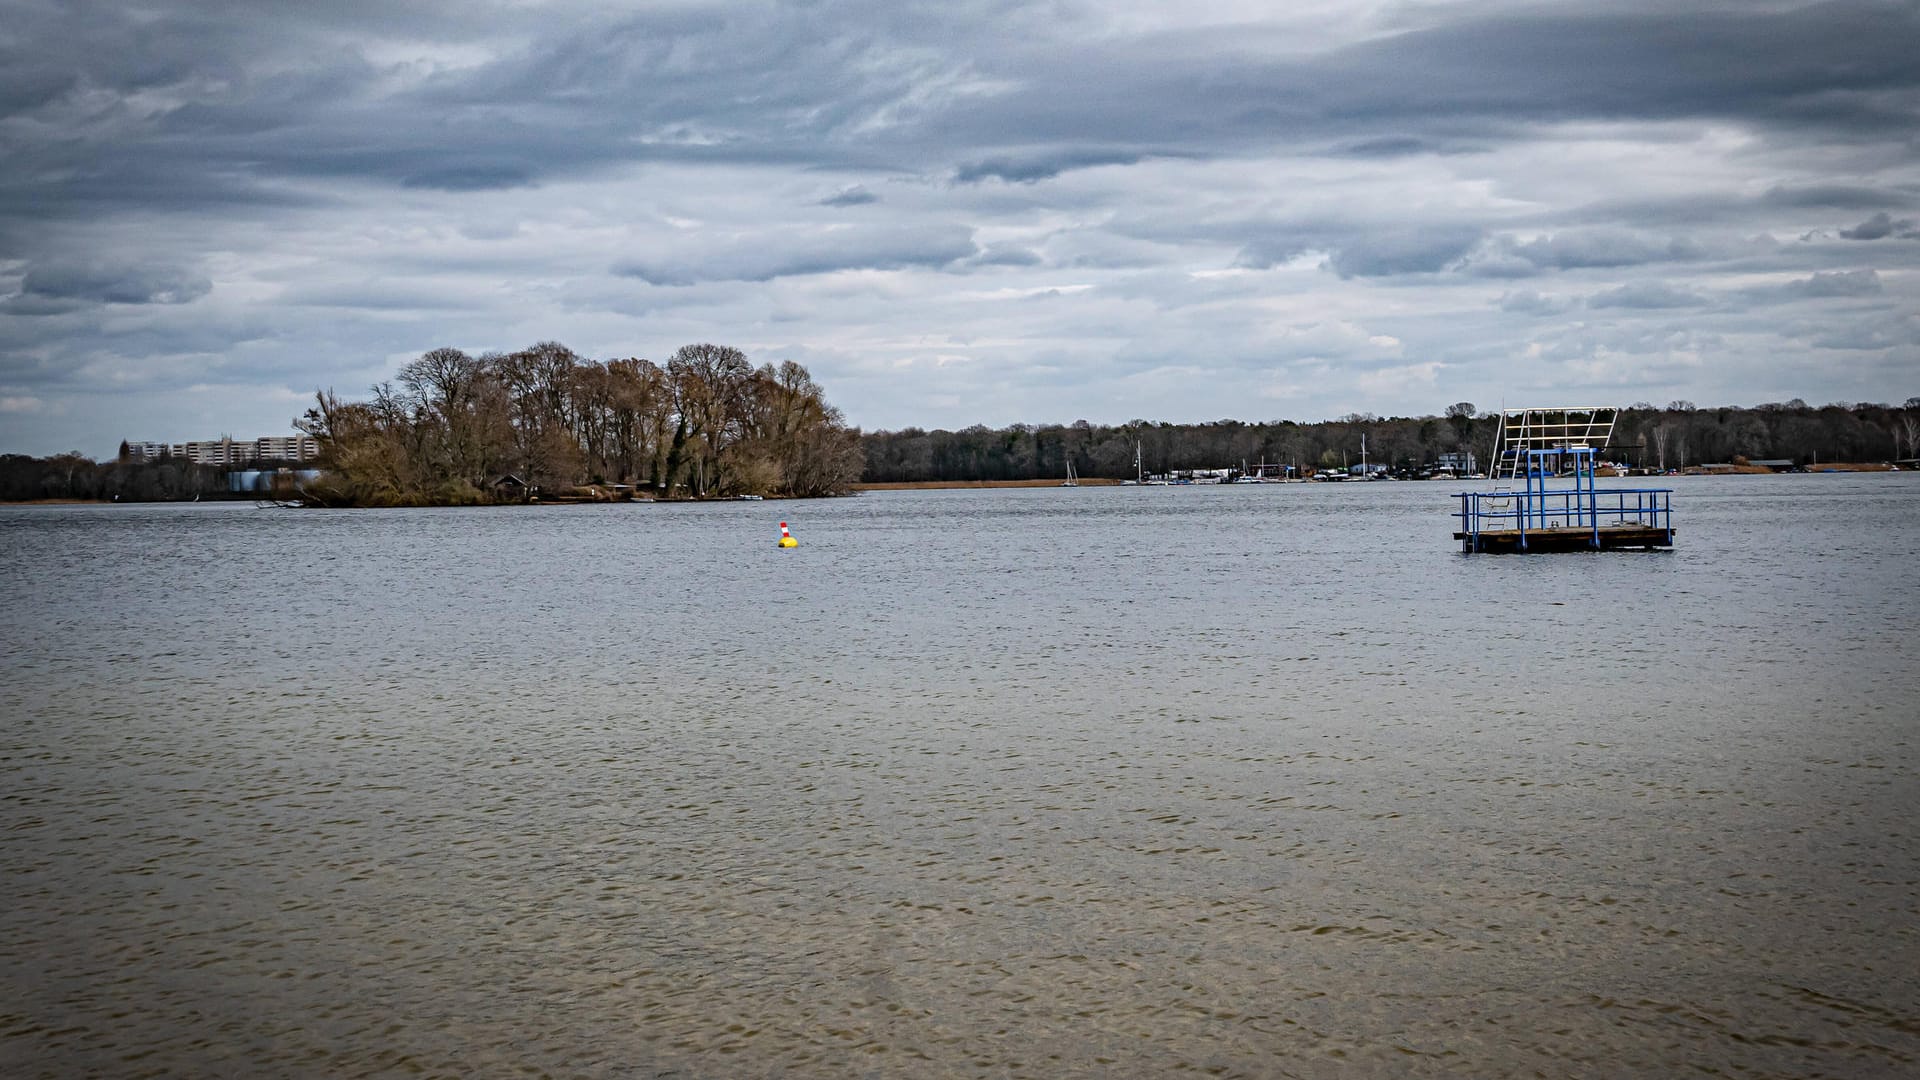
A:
1239,781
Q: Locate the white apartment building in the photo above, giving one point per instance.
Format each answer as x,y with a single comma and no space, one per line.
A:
285,447
229,451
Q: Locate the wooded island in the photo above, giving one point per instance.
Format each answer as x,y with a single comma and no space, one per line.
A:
454,429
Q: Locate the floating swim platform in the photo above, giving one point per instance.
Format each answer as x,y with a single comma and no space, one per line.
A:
1542,518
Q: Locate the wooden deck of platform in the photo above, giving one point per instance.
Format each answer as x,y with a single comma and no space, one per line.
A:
1568,539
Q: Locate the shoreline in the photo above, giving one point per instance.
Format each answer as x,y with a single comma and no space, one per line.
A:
1691,470
937,485
941,485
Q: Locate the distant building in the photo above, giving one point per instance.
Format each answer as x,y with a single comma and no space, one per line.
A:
286,447
1460,463
227,451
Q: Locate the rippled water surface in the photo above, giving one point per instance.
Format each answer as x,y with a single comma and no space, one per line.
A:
1245,781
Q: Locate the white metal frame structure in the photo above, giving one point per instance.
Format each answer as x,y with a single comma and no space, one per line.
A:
1521,430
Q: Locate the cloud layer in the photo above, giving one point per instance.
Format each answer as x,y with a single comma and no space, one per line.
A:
959,212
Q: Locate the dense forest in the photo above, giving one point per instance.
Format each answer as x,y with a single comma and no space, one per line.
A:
458,429
1677,436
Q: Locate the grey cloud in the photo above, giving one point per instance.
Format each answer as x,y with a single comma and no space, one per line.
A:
1841,70
1646,294
1007,255
356,140
1887,332
1579,249
1498,261
1393,146
30,305
1653,64
1529,302
1837,196
381,295
1822,285
476,177
1879,227
856,195
1402,251
254,97
1353,248
1035,168
270,94
1264,252
108,283
779,255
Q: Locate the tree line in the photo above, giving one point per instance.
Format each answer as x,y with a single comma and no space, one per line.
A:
72,475
1677,436
453,428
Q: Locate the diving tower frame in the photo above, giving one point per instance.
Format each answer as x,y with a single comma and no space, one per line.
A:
1539,446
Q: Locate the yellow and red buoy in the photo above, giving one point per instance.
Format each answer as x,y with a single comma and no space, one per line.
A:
786,538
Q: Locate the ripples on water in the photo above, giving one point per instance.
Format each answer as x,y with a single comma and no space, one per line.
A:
1258,781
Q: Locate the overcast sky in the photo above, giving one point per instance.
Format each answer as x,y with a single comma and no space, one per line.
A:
959,212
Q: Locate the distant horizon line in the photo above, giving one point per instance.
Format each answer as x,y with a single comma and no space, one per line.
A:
1677,405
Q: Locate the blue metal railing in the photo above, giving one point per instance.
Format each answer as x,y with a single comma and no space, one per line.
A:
1580,508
